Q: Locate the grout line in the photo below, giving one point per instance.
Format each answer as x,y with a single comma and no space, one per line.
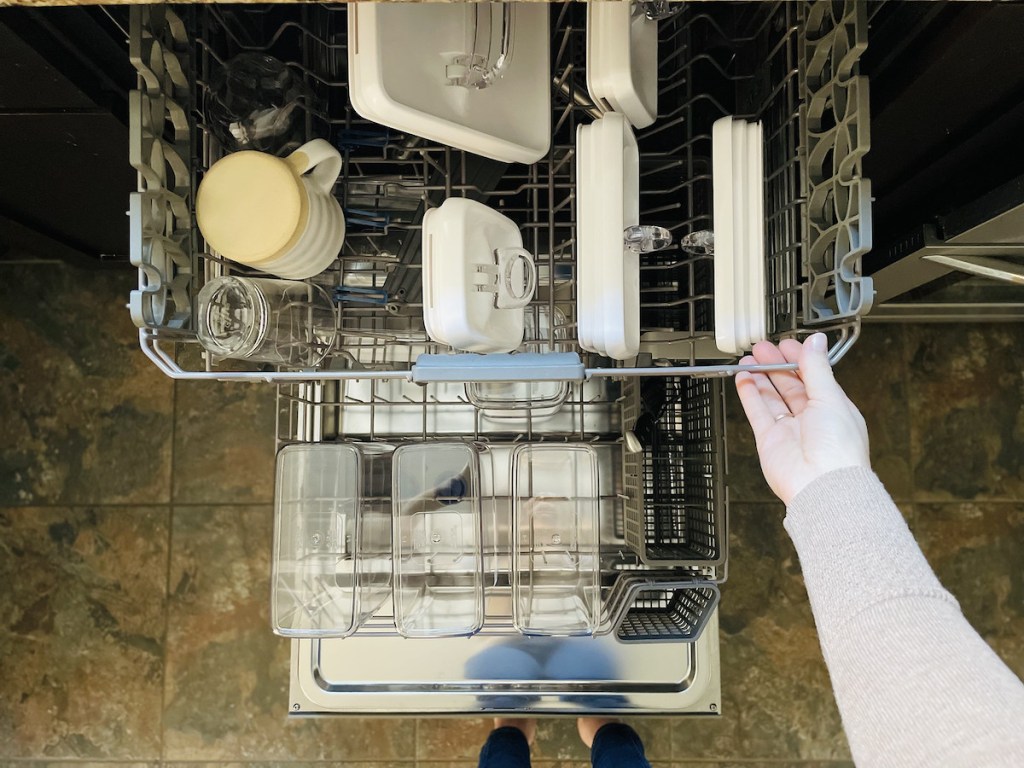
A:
170,554
711,761
906,360
239,504
174,444
671,732
167,622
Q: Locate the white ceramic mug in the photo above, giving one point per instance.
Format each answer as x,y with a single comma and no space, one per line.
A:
277,215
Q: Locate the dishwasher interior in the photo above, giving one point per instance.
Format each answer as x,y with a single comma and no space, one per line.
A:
654,423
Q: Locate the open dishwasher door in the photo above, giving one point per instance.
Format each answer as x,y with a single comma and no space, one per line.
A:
492,674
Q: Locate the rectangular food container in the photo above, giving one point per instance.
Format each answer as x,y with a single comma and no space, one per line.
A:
438,588
556,579
332,538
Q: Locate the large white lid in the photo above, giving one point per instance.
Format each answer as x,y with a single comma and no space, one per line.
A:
740,282
622,60
398,59
608,184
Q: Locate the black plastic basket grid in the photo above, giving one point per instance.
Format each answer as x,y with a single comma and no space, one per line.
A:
679,518
677,612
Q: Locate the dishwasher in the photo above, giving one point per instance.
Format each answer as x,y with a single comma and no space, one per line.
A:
652,427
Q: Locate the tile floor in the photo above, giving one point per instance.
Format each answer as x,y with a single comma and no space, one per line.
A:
135,526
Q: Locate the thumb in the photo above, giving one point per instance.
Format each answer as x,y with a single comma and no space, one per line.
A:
816,372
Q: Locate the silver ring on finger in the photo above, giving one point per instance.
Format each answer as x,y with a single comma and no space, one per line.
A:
782,416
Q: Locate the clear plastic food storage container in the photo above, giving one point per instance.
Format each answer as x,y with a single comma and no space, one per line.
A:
438,587
527,399
556,557
332,538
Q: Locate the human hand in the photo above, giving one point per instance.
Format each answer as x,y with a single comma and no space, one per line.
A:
803,422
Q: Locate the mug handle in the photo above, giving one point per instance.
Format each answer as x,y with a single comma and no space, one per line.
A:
320,157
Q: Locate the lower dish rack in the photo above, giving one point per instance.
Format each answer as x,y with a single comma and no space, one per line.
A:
555,519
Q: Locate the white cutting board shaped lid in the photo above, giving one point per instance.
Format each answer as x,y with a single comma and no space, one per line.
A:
476,277
401,60
622,60
608,185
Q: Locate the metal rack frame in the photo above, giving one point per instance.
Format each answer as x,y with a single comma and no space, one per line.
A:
791,65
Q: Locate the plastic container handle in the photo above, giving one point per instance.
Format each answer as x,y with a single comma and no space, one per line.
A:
320,157
481,66
509,294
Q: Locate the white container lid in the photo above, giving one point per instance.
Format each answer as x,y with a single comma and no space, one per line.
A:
608,185
399,77
460,243
622,60
737,158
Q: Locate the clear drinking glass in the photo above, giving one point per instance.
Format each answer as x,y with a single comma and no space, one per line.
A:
253,103
284,322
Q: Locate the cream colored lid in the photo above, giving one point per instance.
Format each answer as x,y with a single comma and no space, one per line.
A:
251,206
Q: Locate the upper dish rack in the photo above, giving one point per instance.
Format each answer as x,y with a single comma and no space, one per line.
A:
793,66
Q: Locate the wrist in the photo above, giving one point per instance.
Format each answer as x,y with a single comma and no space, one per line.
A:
806,483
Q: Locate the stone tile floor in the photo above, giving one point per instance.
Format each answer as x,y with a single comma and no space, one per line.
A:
135,525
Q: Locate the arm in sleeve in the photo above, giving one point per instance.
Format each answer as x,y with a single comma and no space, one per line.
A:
915,684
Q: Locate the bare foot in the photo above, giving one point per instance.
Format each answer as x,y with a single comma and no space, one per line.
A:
589,726
527,725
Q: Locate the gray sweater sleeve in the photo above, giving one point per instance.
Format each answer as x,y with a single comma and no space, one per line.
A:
915,684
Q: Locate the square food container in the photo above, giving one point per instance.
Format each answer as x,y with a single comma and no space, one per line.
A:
438,588
332,538
556,579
